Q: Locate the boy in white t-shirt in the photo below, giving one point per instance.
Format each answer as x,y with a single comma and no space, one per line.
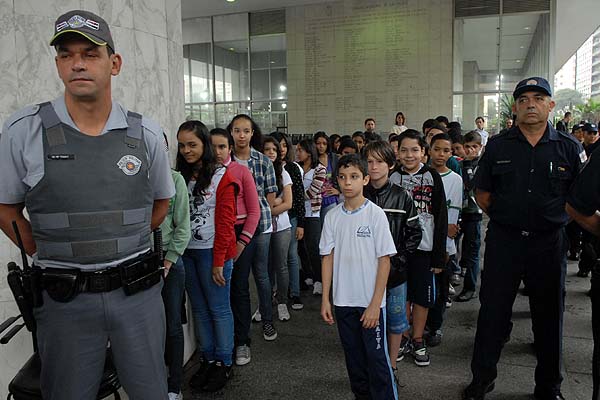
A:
356,245
440,152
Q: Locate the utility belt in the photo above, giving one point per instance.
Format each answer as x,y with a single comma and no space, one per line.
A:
63,285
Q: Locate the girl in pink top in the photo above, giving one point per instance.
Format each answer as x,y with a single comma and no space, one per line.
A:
248,208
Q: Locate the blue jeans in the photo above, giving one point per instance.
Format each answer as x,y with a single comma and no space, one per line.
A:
294,261
469,259
255,257
397,322
172,294
213,320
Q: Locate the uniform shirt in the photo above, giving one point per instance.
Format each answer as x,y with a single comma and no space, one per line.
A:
359,238
529,184
453,188
584,195
22,164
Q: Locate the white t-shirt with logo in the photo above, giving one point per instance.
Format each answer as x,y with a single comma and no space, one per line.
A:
202,213
358,238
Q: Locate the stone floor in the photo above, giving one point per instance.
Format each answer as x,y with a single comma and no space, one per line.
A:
306,361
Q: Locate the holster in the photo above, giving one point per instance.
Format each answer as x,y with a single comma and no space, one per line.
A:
62,285
140,273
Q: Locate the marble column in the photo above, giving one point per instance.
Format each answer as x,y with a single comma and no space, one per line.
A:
147,33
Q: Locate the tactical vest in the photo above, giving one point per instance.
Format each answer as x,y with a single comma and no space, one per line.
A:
94,202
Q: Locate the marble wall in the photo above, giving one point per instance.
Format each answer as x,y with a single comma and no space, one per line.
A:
147,33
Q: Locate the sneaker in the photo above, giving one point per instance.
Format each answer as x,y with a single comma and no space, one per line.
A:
218,378
404,348
465,295
242,355
175,396
284,314
448,302
318,288
269,332
297,303
256,317
308,282
201,376
456,280
434,338
451,290
420,354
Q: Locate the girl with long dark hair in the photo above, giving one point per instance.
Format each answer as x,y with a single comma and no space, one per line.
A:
314,177
329,192
208,258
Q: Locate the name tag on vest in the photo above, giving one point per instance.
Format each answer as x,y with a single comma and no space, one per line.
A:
60,157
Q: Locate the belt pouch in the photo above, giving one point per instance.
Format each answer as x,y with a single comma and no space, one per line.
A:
141,274
61,285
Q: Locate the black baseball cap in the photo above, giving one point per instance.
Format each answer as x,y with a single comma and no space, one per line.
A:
576,127
590,127
89,25
533,84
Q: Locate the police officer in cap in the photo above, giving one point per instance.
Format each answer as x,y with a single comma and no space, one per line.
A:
521,183
95,180
583,204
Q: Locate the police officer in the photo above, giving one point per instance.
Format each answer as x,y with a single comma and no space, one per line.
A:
94,179
582,203
522,183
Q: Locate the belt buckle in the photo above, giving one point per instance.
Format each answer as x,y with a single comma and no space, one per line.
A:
98,282
525,233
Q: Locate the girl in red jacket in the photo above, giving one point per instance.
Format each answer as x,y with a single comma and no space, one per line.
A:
208,258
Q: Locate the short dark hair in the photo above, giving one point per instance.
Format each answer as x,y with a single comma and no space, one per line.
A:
382,151
456,137
455,126
352,160
568,114
369,119
440,136
481,118
412,134
442,119
359,134
473,136
439,127
428,124
347,142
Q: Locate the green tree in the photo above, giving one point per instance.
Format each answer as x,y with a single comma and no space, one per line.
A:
566,100
589,111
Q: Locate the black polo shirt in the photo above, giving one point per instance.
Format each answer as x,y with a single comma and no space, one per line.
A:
529,184
584,195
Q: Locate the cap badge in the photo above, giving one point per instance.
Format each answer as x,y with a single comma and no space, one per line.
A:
76,22
130,165
532,82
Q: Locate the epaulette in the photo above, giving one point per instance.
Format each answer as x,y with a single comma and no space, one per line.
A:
22,113
569,136
152,126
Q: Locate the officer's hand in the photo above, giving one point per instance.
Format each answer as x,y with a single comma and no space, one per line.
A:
218,278
437,270
167,264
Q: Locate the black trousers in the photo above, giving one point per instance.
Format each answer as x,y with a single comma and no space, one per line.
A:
540,260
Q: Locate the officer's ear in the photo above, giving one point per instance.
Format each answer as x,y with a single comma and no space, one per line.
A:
117,62
552,104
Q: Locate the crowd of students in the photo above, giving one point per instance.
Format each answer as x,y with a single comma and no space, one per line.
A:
248,202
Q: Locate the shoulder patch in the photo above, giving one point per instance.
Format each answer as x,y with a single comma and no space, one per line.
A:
22,113
152,126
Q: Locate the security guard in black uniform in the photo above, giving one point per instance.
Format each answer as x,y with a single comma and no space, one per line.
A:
521,183
582,204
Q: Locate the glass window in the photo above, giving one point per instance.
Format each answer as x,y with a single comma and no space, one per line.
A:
467,107
226,112
201,73
260,84
476,54
201,112
231,57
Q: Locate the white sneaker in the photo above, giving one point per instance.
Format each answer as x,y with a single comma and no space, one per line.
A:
318,288
451,290
175,396
256,317
284,314
308,281
242,355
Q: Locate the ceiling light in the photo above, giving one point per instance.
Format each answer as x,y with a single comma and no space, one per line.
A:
527,28
272,62
283,105
522,47
282,88
231,49
518,61
230,1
